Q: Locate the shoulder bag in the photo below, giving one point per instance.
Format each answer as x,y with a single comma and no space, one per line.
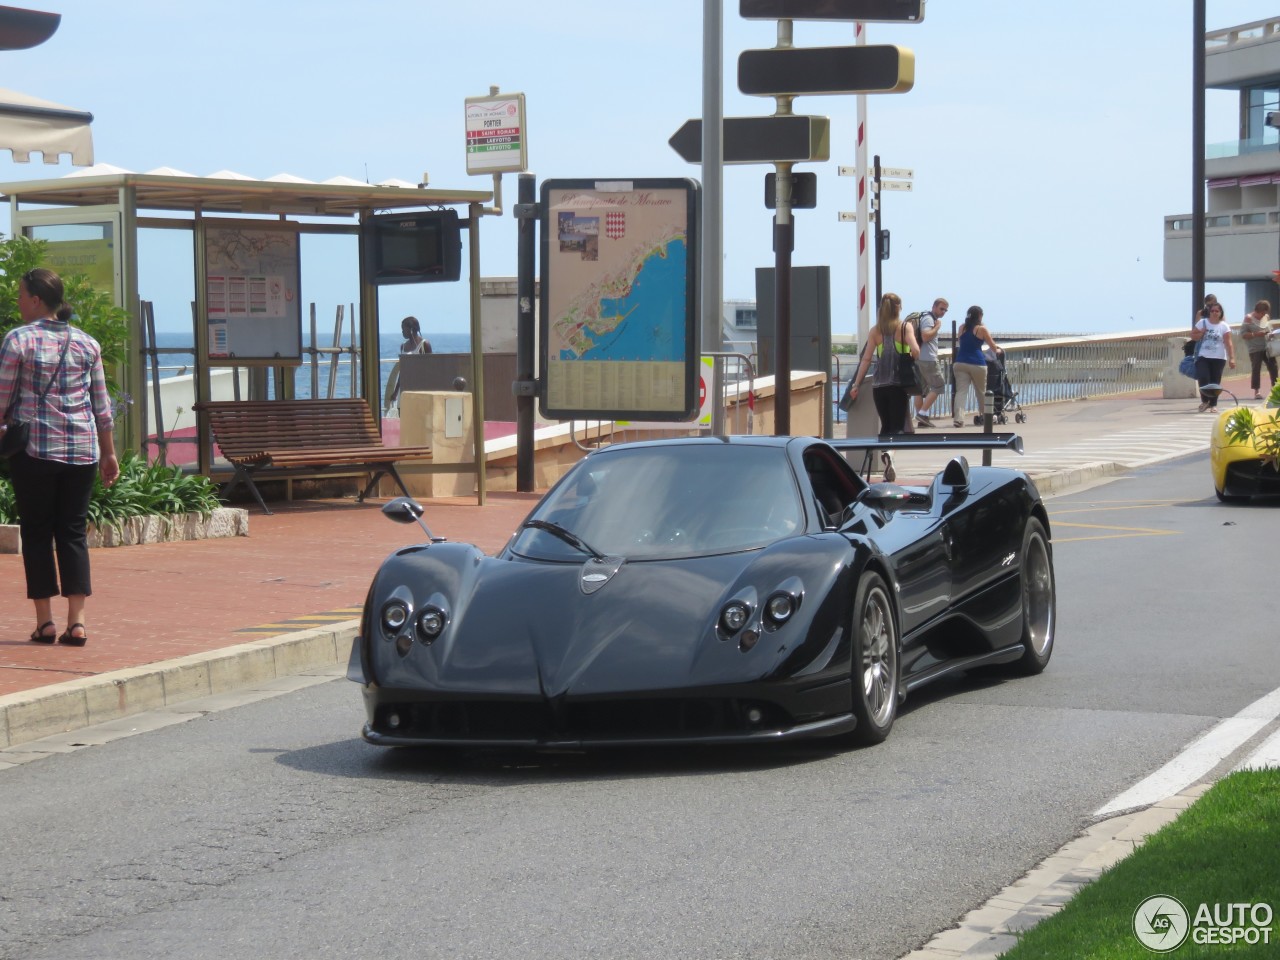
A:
908,372
1191,351
17,432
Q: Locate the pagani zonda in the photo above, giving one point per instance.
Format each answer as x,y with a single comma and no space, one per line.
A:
709,590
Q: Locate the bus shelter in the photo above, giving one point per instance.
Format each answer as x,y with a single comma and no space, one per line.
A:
245,237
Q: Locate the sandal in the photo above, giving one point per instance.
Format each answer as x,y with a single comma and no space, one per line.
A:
39,636
70,639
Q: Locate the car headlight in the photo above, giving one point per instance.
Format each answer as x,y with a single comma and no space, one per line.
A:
734,616
779,608
395,614
430,623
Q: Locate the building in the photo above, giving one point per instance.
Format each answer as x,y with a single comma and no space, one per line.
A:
738,323
1242,176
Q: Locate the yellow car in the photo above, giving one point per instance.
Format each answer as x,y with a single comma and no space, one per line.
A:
1239,468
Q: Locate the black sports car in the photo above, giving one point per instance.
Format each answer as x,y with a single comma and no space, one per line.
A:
709,590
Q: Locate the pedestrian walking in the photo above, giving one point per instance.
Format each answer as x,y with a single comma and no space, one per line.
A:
891,399
52,382
1254,332
928,326
970,364
1216,350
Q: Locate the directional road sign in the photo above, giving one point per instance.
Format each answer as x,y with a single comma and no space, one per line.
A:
868,11
794,71
894,185
897,173
760,139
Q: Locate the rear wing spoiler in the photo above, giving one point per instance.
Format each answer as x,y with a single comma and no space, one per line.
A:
932,441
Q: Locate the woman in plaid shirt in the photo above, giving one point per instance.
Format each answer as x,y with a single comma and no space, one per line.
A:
70,441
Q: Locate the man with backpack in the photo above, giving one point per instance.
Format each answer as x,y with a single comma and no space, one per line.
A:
928,326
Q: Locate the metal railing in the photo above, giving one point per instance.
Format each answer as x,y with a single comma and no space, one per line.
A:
1050,371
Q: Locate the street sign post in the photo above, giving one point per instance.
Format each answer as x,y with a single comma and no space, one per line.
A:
868,11
894,185
791,139
797,71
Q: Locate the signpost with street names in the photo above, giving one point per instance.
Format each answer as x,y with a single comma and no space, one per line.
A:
868,11
894,185
796,71
784,139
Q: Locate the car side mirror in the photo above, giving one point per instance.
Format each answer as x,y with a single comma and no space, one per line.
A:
887,496
406,510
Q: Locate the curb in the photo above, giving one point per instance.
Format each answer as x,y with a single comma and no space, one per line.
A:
75,704
993,928
1059,481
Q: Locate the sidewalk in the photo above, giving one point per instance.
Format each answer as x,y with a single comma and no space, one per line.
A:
175,621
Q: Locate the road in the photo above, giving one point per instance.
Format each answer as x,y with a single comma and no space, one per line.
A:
271,831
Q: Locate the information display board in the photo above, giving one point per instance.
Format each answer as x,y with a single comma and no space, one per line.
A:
252,279
619,299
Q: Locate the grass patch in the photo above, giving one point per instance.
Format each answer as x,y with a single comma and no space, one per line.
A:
1224,849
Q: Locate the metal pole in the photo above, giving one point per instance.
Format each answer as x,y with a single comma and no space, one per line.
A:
712,232
1197,156
783,241
477,355
526,266
875,199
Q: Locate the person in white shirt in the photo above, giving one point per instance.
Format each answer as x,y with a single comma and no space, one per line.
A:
930,325
1216,351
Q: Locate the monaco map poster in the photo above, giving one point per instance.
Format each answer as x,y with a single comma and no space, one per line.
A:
619,296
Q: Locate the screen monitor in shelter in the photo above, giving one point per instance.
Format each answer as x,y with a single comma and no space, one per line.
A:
415,247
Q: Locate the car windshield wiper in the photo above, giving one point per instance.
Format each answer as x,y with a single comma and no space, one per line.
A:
556,530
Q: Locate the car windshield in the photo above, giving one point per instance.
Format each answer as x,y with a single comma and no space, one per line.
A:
677,500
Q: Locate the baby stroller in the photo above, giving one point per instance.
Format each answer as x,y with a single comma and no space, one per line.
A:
1004,397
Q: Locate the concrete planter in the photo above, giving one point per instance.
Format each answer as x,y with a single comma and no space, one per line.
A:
223,522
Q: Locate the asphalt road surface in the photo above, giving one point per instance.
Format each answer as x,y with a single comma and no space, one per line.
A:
272,831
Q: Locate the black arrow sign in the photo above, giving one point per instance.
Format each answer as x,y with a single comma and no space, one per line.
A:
794,71
760,139
868,11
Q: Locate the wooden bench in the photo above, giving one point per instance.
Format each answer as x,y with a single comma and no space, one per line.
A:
302,438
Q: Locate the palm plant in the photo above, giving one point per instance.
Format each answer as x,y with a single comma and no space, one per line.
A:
1264,433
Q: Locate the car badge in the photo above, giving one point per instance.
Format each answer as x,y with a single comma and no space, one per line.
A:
596,573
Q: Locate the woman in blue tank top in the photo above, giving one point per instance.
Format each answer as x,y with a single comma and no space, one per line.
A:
970,364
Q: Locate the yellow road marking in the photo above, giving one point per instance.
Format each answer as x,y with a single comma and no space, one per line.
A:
1116,532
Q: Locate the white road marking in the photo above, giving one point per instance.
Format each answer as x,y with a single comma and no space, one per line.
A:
1267,755
1199,757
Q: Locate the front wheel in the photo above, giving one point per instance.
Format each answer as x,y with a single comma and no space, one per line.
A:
875,662
1039,600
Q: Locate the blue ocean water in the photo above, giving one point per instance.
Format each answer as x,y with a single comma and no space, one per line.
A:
178,364
654,312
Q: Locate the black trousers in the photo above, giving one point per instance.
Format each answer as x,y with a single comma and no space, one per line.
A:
892,403
53,507
1256,360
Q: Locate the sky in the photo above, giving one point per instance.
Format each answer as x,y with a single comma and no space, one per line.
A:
1048,141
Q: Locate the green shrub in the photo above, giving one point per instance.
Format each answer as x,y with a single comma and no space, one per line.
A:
142,490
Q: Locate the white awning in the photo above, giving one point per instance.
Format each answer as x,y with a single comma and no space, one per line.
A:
30,125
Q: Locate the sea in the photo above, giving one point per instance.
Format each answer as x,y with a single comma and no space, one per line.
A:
179,364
